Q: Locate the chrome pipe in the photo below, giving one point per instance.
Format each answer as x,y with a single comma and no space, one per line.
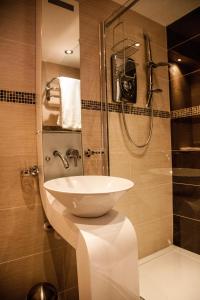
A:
104,100
149,67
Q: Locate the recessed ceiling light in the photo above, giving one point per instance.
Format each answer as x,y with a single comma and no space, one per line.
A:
69,51
179,59
137,44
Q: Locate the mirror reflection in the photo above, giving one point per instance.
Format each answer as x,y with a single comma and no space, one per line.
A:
61,65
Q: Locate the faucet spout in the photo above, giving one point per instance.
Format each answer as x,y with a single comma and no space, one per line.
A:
63,159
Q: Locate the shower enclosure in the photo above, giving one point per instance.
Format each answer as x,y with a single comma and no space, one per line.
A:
153,137
137,135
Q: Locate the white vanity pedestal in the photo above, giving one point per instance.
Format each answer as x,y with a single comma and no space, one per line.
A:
106,251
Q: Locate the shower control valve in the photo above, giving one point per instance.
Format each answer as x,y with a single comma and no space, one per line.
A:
73,153
90,152
32,171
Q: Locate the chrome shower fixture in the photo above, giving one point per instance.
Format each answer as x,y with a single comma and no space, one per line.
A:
152,64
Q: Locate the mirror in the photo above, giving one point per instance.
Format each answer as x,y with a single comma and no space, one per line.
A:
60,64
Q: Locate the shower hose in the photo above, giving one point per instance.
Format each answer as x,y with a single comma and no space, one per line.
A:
131,139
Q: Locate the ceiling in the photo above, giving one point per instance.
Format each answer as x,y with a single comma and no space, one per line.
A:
60,27
163,12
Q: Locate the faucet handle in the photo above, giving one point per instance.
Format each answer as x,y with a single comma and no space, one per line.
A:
73,153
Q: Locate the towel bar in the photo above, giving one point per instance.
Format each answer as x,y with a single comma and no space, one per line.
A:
49,89
52,89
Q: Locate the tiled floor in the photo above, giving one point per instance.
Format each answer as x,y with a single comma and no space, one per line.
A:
170,274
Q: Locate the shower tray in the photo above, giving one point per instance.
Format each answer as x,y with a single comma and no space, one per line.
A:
170,274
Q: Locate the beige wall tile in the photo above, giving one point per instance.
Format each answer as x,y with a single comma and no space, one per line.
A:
149,204
152,170
146,204
152,164
89,44
139,128
19,73
51,70
151,198
18,20
91,129
90,87
14,189
153,236
157,32
22,231
18,276
120,165
93,165
18,130
91,136
23,234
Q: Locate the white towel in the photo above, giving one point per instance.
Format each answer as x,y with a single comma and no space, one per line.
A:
70,104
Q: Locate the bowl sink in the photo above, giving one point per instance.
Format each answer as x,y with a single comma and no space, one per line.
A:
88,196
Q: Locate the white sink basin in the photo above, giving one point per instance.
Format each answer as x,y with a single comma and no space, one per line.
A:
88,196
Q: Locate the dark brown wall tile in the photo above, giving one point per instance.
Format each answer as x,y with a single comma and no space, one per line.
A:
186,200
186,159
184,28
181,133
186,234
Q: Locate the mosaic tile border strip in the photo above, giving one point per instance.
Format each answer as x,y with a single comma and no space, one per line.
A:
185,112
17,97
30,98
129,109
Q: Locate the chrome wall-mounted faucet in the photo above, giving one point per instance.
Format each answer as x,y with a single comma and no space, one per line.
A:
63,159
